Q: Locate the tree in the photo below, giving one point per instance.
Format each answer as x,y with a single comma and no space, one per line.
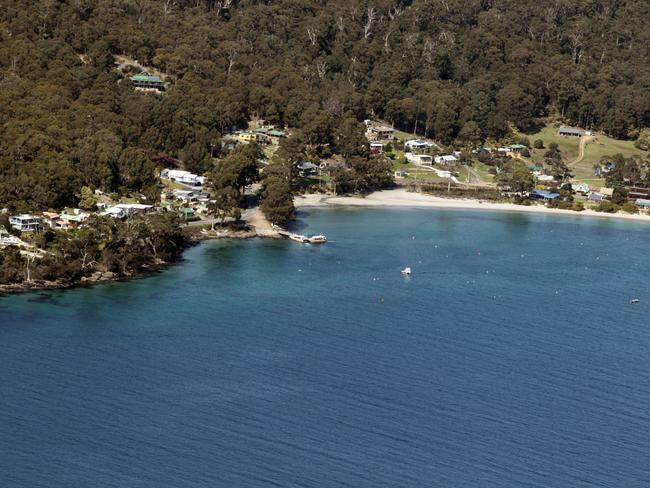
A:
515,177
87,199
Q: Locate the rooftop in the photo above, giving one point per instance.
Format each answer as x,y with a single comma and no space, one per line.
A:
144,77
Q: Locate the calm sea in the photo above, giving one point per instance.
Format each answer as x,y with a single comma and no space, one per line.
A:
510,358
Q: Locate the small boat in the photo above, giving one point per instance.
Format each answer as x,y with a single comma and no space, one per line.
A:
406,271
319,239
634,300
298,238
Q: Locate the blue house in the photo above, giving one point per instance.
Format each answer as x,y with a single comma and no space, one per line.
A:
544,194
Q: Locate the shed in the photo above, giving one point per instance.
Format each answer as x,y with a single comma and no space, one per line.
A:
570,131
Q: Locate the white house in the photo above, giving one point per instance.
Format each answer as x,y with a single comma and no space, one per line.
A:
580,188
185,195
115,212
135,208
26,223
417,144
448,159
547,178
419,158
184,177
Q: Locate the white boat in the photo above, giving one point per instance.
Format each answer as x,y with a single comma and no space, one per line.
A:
319,239
298,238
634,300
406,271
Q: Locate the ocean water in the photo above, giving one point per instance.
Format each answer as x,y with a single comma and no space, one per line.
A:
510,358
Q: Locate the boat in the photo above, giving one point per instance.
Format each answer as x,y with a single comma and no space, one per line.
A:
406,271
319,239
634,300
298,238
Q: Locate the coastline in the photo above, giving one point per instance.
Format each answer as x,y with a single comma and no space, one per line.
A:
405,199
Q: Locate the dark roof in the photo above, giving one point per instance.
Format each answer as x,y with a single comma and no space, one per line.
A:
307,165
571,130
544,194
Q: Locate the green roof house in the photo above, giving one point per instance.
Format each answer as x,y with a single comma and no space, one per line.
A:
147,82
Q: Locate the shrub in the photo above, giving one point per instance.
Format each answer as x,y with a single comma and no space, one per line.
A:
629,207
538,144
525,153
606,206
578,206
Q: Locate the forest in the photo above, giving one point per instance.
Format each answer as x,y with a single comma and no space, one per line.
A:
459,71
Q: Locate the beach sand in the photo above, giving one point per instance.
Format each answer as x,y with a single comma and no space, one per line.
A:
404,198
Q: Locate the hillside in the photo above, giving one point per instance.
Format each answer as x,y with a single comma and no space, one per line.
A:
453,70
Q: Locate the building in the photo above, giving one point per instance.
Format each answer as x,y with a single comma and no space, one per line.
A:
580,188
147,82
608,192
381,133
376,148
26,223
594,196
417,144
636,192
401,173
642,203
307,168
269,135
115,212
185,195
448,159
419,158
544,195
135,208
545,178
184,177
249,136
516,148
570,131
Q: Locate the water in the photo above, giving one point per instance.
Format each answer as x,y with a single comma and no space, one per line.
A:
510,358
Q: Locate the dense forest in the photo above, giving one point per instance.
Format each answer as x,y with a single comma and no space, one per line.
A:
454,70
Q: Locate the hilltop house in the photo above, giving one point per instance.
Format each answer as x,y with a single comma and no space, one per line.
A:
26,223
184,177
148,83
376,148
419,158
417,144
269,135
307,168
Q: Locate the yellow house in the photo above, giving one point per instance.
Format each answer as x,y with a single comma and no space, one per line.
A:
247,136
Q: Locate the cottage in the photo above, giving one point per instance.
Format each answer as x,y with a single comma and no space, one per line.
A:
270,135
544,195
570,131
643,203
148,83
26,223
448,159
580,188
516,148
594,196
381,133
114,212
636,192
376,148
401,173
249,136
185,195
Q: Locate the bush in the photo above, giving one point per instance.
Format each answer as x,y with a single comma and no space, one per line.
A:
606,206
524,141
525,153
578,206
538,144
390,154
629,207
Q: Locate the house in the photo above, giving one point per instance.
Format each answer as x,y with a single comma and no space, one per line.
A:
114,212
516,148
643,203
419,158
270,135
635,192
26,223
70,221
417,144
580,188
184,177
186,213
536,169
381,133
545,178
608,192
135,208
604,169
148,83
249,136
185,195
594,196
401,173
448,159
376,148
307,168
544,195
570,131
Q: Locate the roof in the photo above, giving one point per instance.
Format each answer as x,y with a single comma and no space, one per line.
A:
642,202
545,194
606,191
186,210
535,168
571,130
382,128
275,133
307,165
144,77
595,196
517,146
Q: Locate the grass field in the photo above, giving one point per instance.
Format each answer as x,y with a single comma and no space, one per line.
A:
594,151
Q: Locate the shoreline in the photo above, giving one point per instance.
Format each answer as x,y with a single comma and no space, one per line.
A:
400,198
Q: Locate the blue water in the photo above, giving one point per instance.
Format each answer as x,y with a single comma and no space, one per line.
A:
511,358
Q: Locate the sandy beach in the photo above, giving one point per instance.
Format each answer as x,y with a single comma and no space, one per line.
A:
404,198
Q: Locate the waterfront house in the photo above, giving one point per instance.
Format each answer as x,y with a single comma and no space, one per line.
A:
148,83
544,195
594,196
307,168
636,192
135,208
570,131
580,188
642,203
26,223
